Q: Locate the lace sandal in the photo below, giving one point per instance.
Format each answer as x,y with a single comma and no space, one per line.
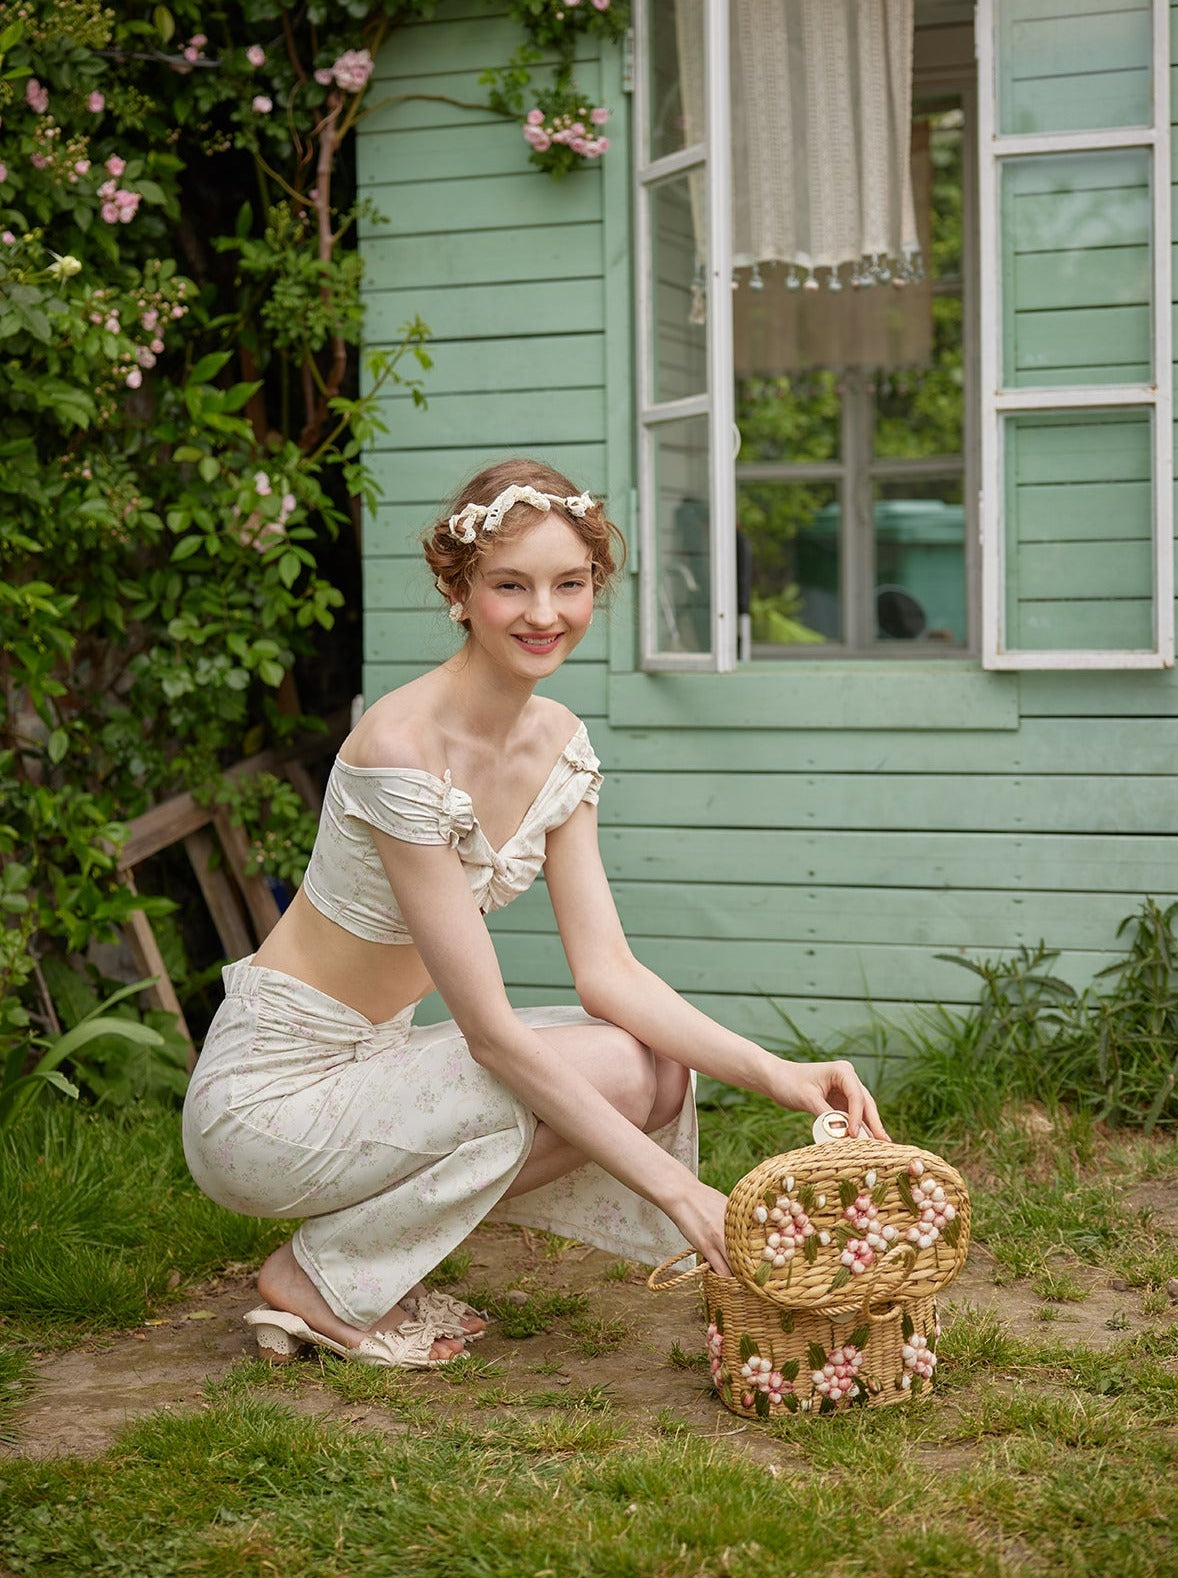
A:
281,1337
445,1313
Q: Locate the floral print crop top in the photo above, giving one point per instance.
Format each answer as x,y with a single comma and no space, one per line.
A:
345,879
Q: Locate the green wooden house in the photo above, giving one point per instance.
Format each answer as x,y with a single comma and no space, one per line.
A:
891,674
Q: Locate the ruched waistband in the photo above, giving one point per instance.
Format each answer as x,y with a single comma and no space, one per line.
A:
290,1006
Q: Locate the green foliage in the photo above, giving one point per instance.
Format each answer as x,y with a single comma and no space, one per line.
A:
278,826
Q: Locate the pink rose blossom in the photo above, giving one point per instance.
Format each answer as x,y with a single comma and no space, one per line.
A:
262,484
110,213
324,76
352,70
144,357
115,166
149,319
134,378
3,174
191,53
8,238
157,346
261,105
256,55
81,166
535,117
603,145
599,116
38,161
540,140
36,97
199,40
125,199
601,5
96,103
288,505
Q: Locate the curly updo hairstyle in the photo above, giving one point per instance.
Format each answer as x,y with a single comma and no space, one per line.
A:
455,564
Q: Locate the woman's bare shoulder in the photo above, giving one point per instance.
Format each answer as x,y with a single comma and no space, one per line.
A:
398,730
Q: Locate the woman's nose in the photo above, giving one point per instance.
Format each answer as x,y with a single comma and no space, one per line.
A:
539,611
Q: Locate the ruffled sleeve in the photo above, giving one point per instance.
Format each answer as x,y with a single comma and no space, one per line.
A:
579,755
405,802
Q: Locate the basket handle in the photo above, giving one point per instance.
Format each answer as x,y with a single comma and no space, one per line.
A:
657,1283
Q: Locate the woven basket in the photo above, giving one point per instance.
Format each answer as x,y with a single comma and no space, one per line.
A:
838,1252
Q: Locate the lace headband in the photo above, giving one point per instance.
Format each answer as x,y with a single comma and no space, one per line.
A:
489,517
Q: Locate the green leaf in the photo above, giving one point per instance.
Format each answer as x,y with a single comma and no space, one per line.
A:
209,468
208,367
905,1187
271,673
840,1279
810,1249
761,1404
907,1325
186,547
164,22
787,1321
763,1272
748,1348
790,1369
860,1337
57,745
815,1355
848,1192
289,567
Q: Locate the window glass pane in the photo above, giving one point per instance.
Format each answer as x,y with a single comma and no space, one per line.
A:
1079,535
680,349
920,578
682,570
1073,70
794,418
1076,269
789,556
676,46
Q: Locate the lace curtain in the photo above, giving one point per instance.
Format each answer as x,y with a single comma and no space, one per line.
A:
823,195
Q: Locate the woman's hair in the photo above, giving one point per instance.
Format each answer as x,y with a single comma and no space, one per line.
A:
455,563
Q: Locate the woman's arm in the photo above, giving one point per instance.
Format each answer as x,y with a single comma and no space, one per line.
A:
613,985
434,897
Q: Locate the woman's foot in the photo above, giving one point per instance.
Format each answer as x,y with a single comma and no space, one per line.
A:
451,1315
284,1285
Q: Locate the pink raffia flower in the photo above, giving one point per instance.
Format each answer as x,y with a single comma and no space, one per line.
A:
262,105
256,55
134,378
36,97
96,103
352,70
115,166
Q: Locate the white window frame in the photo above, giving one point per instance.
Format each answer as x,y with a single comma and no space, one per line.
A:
717,401
998,402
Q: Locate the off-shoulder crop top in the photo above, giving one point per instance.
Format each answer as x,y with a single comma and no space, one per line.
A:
345,879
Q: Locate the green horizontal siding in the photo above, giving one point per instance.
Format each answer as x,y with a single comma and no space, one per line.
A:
800,838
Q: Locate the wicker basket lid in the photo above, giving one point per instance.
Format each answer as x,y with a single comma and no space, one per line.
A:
849,1224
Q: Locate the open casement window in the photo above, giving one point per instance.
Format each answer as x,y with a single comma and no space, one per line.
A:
1074,192
688,596
807,350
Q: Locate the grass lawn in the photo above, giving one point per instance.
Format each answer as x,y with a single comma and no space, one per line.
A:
1050,1444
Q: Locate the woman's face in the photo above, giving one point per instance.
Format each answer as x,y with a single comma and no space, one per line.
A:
532,598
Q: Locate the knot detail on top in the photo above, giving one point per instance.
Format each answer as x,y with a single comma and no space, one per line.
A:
489,517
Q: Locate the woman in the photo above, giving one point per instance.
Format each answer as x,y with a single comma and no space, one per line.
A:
316,1097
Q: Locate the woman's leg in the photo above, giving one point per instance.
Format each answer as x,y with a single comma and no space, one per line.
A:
647,1089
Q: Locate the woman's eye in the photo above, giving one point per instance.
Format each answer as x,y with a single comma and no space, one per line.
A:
574,586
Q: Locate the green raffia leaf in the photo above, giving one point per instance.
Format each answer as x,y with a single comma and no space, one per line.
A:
880,1193
905,1188
840,1279
761,1404
810,1249
790,1402
907,1325
748,1348
763,1272
815,1355
790,1369
861,1336
848,1192
787,1321
769,1197
718,1319
808,1199
951,1232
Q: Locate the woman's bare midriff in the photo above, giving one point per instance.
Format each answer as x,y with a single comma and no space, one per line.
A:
377,979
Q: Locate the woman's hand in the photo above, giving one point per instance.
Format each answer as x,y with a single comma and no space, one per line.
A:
822,1087
698,1213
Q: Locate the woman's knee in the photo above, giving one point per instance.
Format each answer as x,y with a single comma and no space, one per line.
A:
630,1082
672,1082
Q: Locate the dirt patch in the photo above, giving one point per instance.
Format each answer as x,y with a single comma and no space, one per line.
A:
85,1397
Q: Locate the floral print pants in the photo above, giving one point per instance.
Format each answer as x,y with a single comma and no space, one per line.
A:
388,1140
